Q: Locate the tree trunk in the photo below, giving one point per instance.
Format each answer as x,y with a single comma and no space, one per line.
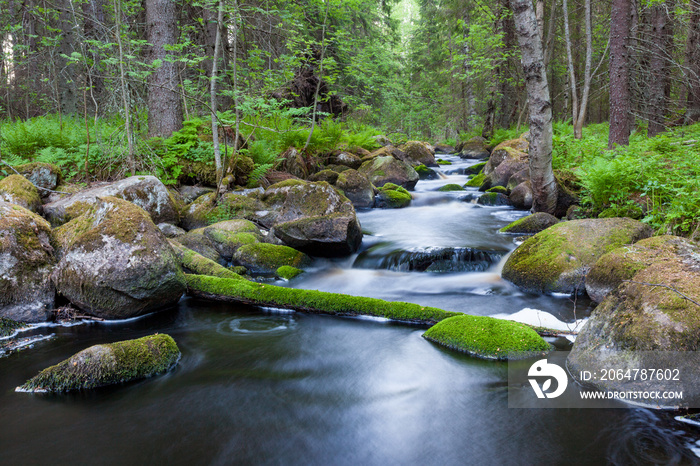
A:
164,103
67,73
506,71
660,40
212,96
94,29
469,98
620,20
692,53
544,187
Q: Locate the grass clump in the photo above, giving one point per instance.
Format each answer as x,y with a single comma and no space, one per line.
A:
486,337
108,364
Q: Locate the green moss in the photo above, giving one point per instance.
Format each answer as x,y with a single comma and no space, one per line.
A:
259,294
109,364
443,162
498,189
286,272
288,183
487,337
232,206
475,169
8,326
422,169
19,190
476,182
531,224
269,257
195,262
393,196
451,187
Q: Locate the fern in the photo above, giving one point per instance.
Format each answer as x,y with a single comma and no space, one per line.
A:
259,172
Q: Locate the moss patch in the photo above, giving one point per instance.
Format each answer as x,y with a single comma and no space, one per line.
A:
422,169
267,258
286,272
487,337
392,196
8,326
451,187
475,169
109,364
319,302
195,262
476,182
531,224
19,190
498,189
443,162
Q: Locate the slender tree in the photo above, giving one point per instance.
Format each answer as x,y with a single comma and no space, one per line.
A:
620,108
692,53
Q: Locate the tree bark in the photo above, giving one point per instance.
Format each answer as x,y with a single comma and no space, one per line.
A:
692,113
470,100
620,22
660,39
212,96
164,103
544,187
67,73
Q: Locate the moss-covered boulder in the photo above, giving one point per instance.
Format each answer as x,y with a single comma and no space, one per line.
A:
498,189
357,188
501,174
531,224
426,173
488,338
441,148
193,262
476,181
382,170
418,153
267,258
108,364
493,199
450,187
329,176
170,230
521,196
518,177
391,196
558,259
197,241
18,190
623,263
287,272
114,263
190,193
26,261
346,159
502,153
42,175
227,236
474,148
475,169
147,192
655,314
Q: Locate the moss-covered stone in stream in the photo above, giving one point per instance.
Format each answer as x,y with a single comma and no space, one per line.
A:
443,162
498,189
476,181
16,189
392,196
287,272
451,187
489,338
8,326
267,258
108,364
475,169
320,302
531,224
422,169
197,263
557,259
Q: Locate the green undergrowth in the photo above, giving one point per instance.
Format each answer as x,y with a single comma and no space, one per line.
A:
8,326
108,364
487,337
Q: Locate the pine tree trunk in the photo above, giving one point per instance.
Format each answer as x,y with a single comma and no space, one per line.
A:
620,21
659,66
164,103
692,113
544,187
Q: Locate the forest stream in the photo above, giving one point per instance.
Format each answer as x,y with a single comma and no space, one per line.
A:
278,387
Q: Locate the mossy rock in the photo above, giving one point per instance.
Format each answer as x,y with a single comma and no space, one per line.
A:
26,261
194,262
531,224
488,338
320,302
426,173
287,272
418,152
226,237
382,170
498,189
267,258
451,187
234,206
502,153
476,181
18,190
629,210
493,199
623,263
108,364
521,196
391,196
43,175
475,169
9,326
329,176
357,188
443,162
197,172
475,148
346,159
114,263
197,241
558,259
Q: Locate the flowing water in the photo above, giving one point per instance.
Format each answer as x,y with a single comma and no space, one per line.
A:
260,386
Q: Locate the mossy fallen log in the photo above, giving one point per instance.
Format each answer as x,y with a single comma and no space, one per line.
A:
487,337
319,302
108,364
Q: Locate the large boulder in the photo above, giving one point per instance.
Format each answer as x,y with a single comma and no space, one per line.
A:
558,259
114,262
503,173
521,197
108,364
418,153
18,190
621,264
474,148
26,260
42,175
653,314
147,192
346,158
382,170
504,152
357,188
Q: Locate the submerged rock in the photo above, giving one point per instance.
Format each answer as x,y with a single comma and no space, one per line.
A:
26,261
16,189
108,364
147,192
558,259
115,263
487,337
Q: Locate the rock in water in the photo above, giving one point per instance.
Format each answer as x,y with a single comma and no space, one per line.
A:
357,188
26,260
418,153
387,169
109,364
146,192
557,259
531,224
115,263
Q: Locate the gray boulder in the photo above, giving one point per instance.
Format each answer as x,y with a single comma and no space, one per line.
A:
418,153
382,170
357,188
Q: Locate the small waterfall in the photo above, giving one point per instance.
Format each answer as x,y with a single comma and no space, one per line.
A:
434,259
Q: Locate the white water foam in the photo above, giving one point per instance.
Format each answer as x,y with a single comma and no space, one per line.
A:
541,319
